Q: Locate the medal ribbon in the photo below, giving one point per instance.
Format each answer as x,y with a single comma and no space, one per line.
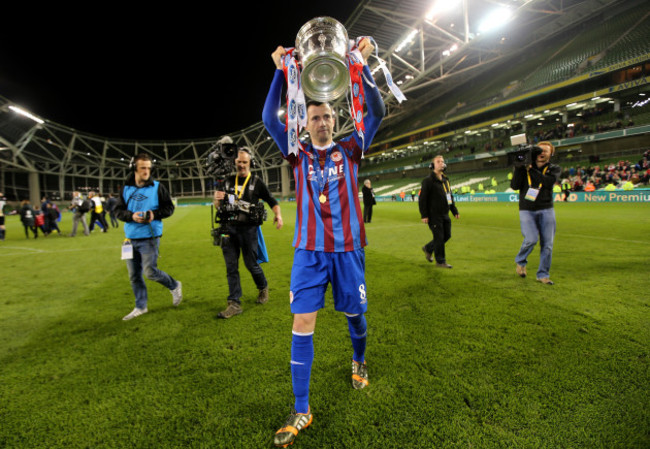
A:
318,172
296,109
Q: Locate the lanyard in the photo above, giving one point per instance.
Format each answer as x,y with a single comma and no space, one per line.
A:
446,186
530,182
241,192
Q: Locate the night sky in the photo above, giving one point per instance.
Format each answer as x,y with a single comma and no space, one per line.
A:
160,74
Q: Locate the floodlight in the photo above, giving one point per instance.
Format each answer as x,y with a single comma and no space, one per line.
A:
407,40
24,113
495,19
439,7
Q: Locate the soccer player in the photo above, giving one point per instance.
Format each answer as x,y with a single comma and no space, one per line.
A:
329,234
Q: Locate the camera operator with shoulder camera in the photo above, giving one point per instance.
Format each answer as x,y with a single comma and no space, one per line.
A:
435,203
535,179
241,213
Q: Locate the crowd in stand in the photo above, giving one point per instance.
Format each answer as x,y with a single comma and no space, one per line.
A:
583,126
619,175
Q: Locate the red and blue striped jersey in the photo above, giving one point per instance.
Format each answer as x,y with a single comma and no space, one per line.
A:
336,224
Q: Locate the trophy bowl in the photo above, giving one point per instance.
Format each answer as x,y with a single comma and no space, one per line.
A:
321,47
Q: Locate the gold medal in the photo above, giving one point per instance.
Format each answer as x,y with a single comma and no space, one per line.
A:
322,198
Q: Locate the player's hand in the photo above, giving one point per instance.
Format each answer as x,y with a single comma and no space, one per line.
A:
277,56
366,48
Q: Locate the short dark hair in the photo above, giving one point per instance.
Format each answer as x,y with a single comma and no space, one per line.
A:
141,157
317,103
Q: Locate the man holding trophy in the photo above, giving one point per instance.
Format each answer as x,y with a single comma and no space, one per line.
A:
329,237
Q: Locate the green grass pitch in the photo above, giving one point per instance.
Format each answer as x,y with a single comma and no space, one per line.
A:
472,357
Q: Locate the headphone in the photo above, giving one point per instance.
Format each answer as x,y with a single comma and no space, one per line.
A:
432,166
250,154
139,157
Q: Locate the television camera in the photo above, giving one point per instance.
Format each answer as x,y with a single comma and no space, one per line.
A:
525,154
220,163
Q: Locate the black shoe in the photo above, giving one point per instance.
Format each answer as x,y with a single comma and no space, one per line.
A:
427,254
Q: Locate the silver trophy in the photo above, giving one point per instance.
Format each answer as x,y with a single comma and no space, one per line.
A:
322,47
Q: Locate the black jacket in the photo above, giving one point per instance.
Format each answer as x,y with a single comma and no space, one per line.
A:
433,198
544,199
368,196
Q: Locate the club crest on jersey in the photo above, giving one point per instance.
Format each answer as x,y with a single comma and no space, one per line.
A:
336,156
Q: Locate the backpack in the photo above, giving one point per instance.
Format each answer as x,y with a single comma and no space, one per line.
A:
85,205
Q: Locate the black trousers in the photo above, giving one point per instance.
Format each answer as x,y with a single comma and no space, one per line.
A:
367,213
441,229
241,239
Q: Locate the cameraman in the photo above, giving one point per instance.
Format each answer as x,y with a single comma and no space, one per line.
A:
242,232
435,202
536,214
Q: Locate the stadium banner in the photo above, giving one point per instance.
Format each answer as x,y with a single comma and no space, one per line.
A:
599,196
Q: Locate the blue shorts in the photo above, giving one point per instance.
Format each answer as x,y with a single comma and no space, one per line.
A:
313,270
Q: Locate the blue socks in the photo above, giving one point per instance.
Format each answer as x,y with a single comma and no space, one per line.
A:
358,331
302,357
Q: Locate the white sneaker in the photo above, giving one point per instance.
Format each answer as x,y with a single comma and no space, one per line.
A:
135,313
177,293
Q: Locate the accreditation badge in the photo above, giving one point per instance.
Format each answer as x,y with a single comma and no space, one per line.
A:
531,194
449,201
127,250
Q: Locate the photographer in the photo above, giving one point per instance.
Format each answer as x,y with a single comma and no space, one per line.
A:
535,183
240,195
436,200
